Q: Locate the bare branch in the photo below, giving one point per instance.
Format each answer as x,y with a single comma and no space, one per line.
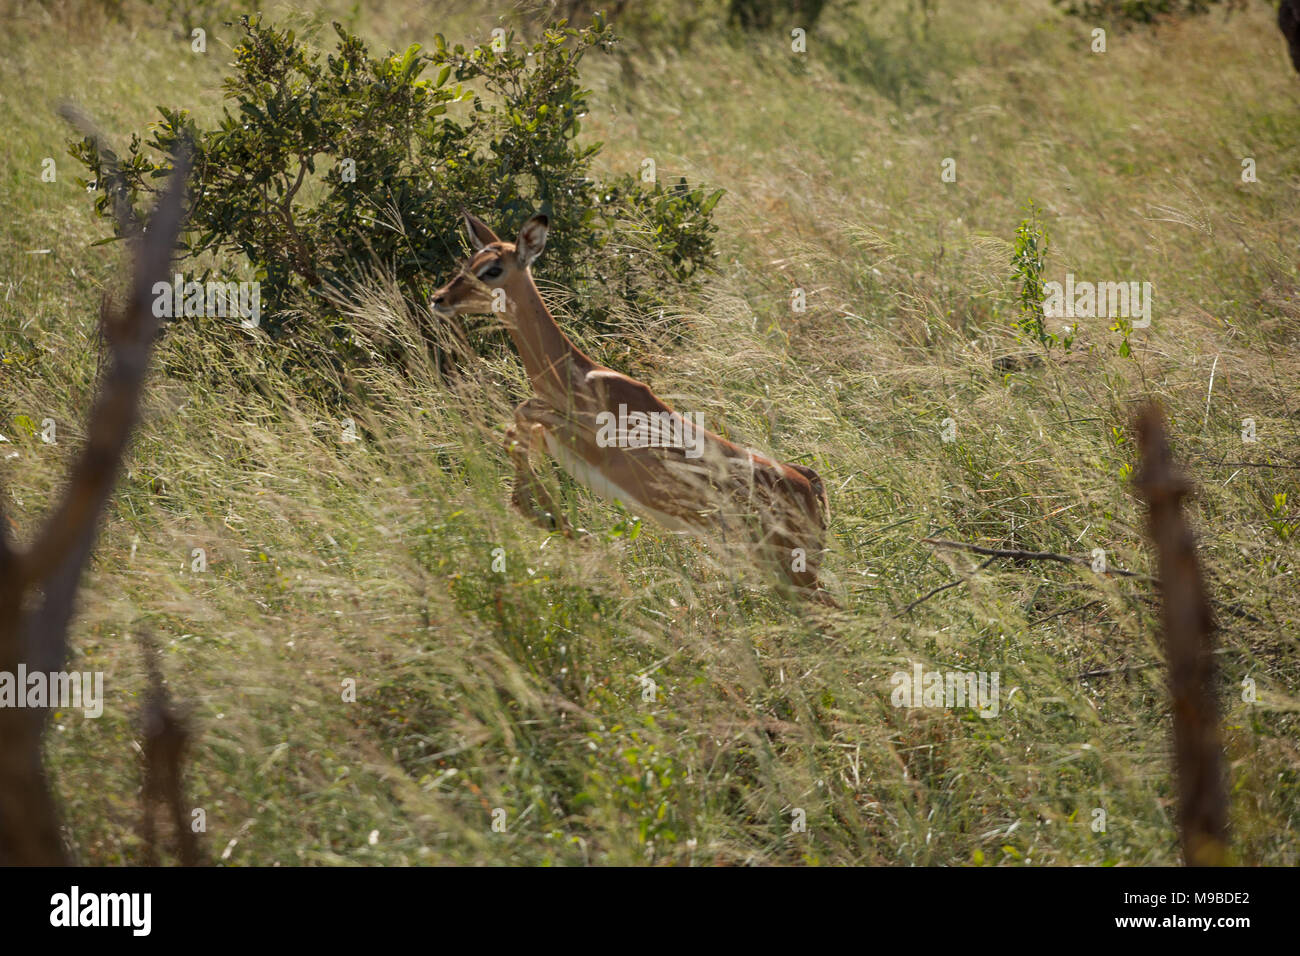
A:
1125,669
1031,556
130,334
1108,671
941,588
1252,464
37,637
166,738
1189,638
1235,610
1062,613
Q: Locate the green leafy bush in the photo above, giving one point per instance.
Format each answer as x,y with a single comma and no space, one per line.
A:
319,170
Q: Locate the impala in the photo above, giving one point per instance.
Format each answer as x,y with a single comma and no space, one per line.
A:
665,465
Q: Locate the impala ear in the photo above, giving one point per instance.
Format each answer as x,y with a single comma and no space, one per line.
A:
532,240
479,234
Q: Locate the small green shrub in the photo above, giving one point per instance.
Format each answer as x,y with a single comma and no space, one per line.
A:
1029,253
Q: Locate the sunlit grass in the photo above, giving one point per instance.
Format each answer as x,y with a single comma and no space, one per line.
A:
525,690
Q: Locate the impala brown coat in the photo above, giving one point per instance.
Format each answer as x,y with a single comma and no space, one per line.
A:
722,490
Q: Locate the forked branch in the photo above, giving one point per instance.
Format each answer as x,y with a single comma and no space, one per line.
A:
38,584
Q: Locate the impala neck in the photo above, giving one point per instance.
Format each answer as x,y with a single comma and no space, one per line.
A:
551,360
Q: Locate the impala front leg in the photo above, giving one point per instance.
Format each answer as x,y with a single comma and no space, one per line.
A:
529,496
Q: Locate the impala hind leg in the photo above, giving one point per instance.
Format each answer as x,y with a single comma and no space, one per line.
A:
798,558
529,496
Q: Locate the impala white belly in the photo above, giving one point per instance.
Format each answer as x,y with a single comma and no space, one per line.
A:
596,482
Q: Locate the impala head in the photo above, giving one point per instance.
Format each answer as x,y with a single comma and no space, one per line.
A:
494,265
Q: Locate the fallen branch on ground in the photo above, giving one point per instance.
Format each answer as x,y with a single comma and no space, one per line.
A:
1233,609
941,588
1032,556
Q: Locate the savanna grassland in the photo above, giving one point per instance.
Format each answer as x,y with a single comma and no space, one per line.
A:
525,689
